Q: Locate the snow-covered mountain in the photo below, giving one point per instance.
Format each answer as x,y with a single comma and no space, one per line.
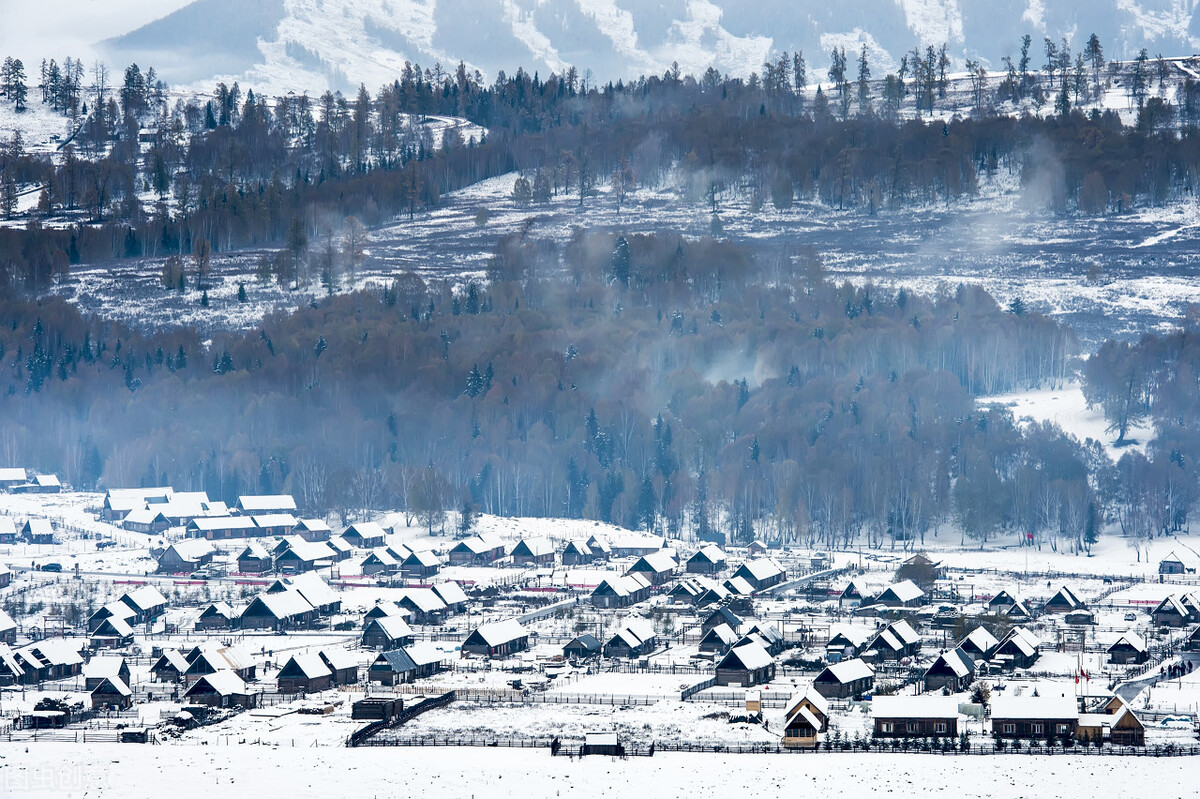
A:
290,44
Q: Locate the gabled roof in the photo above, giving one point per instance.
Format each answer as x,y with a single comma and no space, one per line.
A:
38,526
313,526
802,712
365,530
983,640
500,632
958,661
854,635
815,698
338,659
587,641
53,652
282,605
739,586
761,568
722,633
307,551
173,658
1171,604
903,591
207,523
113,626
411,657
112,685
1131,639
274,520
578,548
141,516
845,671
1170,558
656,562
190,549
381,556
423,557
425,599
904,631
145,598
479,544
222,682
6,621
709,554
623,586
534,547
12,474
451,593
254,550
305,664
47,481
392,626
765,631
223,609
1065,596
747,656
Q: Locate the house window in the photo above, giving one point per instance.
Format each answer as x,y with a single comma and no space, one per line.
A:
912,726
939,727
1062,729
887,726
1037,729
1009,729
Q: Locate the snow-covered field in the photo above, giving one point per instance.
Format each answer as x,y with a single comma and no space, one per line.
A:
64,771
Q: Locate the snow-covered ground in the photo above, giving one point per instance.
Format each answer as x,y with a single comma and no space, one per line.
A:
65,771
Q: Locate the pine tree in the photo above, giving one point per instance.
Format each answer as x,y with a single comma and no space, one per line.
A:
241,295
620,261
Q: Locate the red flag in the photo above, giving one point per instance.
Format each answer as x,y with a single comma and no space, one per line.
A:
1077,679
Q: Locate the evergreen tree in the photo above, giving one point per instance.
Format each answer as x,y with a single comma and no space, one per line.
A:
620,261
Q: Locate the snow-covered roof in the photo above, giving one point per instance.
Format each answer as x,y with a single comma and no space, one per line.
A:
55,651
313,526
140,516
1132,639
307,551
761,568
982,639
849,670
365,530
210,523
534,547
904,631
381,556
904,591
12,474
114,625
274,520
309,664
739,585
711,554
501,632
914,707
723,633
392,626
339,659
750,656
144,598
266,502
425,600
173,658
855,635
6,621
47,481
285,604
313,588
116,685
254,550
103,666
1034,707
957,661
223,681
451,593
660,561
424,557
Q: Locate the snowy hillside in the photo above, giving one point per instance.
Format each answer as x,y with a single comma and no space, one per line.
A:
289,44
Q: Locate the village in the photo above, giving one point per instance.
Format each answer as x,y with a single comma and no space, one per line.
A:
148,615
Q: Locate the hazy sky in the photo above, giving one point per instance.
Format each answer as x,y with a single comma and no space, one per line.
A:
35,29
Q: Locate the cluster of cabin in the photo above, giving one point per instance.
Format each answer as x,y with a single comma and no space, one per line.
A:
18,480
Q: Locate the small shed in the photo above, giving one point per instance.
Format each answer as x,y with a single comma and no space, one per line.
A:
582,647
602,743
1129,649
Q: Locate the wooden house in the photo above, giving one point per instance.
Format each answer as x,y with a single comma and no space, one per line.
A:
8,533
113,610
170,666
145,520
423,605
1019,611
853,595
388,632
221,689
1063,601
312,530
709,560
379,561
630,544
896,641
478,550
304,673
217,616
1019,649
1171,612
657,567
582,647
286,610
49,659
146,602
415,662
621,592
577,553
210,657
904,594
185,556
222,528
1129,649
101,666
111,633
634,639
1001,602
12,476
1114,723
954,670
314,589
421,564
254,559
1173,564
738,586
845,643
37,531
756,549
365,535
340,547
915,716
605,744
497,639
746,665
1034,716
721,616
845,679
767,636
275,524
533,552
805,721
111,692
343,665
718,640
715,594
688,590
600,548
304,556
761,573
